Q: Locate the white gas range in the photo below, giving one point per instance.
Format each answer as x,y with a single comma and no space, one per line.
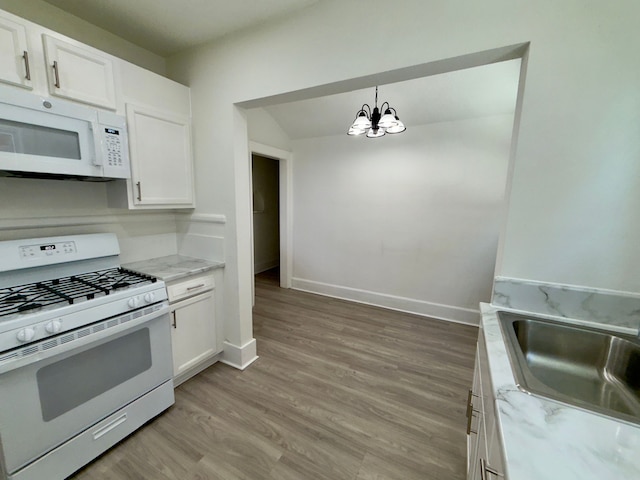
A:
85,353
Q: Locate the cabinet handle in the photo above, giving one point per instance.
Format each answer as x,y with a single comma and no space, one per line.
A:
139,191
25,55
55,71
469,431
174,324
200,285
486,469
470,410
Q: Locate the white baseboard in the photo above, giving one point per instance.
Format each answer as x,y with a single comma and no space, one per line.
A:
264,266
450,313
239,357
184,376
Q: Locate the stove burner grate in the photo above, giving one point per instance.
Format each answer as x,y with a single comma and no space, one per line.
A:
67,290
28,307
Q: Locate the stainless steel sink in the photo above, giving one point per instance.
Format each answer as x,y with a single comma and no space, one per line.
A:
581,366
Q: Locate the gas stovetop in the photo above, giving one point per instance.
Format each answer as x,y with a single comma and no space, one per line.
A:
53,285
33,297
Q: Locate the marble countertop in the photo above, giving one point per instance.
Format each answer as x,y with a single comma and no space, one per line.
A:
548,440
173,267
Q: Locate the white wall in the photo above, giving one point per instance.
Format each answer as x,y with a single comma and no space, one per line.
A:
32,208
577,144
266,238
262,128
408,221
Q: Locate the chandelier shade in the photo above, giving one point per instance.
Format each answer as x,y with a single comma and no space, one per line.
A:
375,133
373,124
397,128
388,119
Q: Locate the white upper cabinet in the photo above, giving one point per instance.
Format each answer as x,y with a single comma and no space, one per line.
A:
161,162
159,124
14,54
78,73
158,110
38,59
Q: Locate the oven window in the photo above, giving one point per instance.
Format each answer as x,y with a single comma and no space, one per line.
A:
68,383
25,138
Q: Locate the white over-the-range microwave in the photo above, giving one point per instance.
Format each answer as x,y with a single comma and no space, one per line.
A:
51,138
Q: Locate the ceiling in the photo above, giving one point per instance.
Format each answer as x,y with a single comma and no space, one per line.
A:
471,93
168,26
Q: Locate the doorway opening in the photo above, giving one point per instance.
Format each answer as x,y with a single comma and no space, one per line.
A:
266,214
271,224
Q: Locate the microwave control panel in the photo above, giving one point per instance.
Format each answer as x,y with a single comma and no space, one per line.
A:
113,144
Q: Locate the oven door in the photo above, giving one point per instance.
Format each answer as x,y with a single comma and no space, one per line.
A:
51,396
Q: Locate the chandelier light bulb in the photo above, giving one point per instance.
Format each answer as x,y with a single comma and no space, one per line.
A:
375,133
374,124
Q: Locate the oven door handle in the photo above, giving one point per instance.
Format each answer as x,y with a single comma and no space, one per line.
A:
14,363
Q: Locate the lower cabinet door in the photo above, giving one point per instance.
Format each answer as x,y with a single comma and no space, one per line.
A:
484,451
193,337
480,454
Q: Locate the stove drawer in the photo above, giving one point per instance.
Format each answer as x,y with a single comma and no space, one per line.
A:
188,287
55,394
83,448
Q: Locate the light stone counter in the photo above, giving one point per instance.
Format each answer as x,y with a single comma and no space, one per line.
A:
173,267
547,440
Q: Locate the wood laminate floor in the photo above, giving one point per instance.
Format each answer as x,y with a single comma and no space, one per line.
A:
340,391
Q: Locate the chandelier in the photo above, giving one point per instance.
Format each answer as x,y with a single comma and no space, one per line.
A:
374,124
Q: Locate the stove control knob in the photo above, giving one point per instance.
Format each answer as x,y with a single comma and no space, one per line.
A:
26,334
53,326
149,297
133,302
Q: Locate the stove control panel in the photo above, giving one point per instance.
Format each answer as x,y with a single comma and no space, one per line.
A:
137,301
100,248
47,250
27,334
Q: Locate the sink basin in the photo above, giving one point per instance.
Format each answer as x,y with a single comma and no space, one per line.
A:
585,367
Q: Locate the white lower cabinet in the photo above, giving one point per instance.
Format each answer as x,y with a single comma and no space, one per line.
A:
193,332
484,450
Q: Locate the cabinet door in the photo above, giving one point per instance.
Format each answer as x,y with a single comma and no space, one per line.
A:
193,337
79,74
494,450
476,440
475,470
161,162
14,54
